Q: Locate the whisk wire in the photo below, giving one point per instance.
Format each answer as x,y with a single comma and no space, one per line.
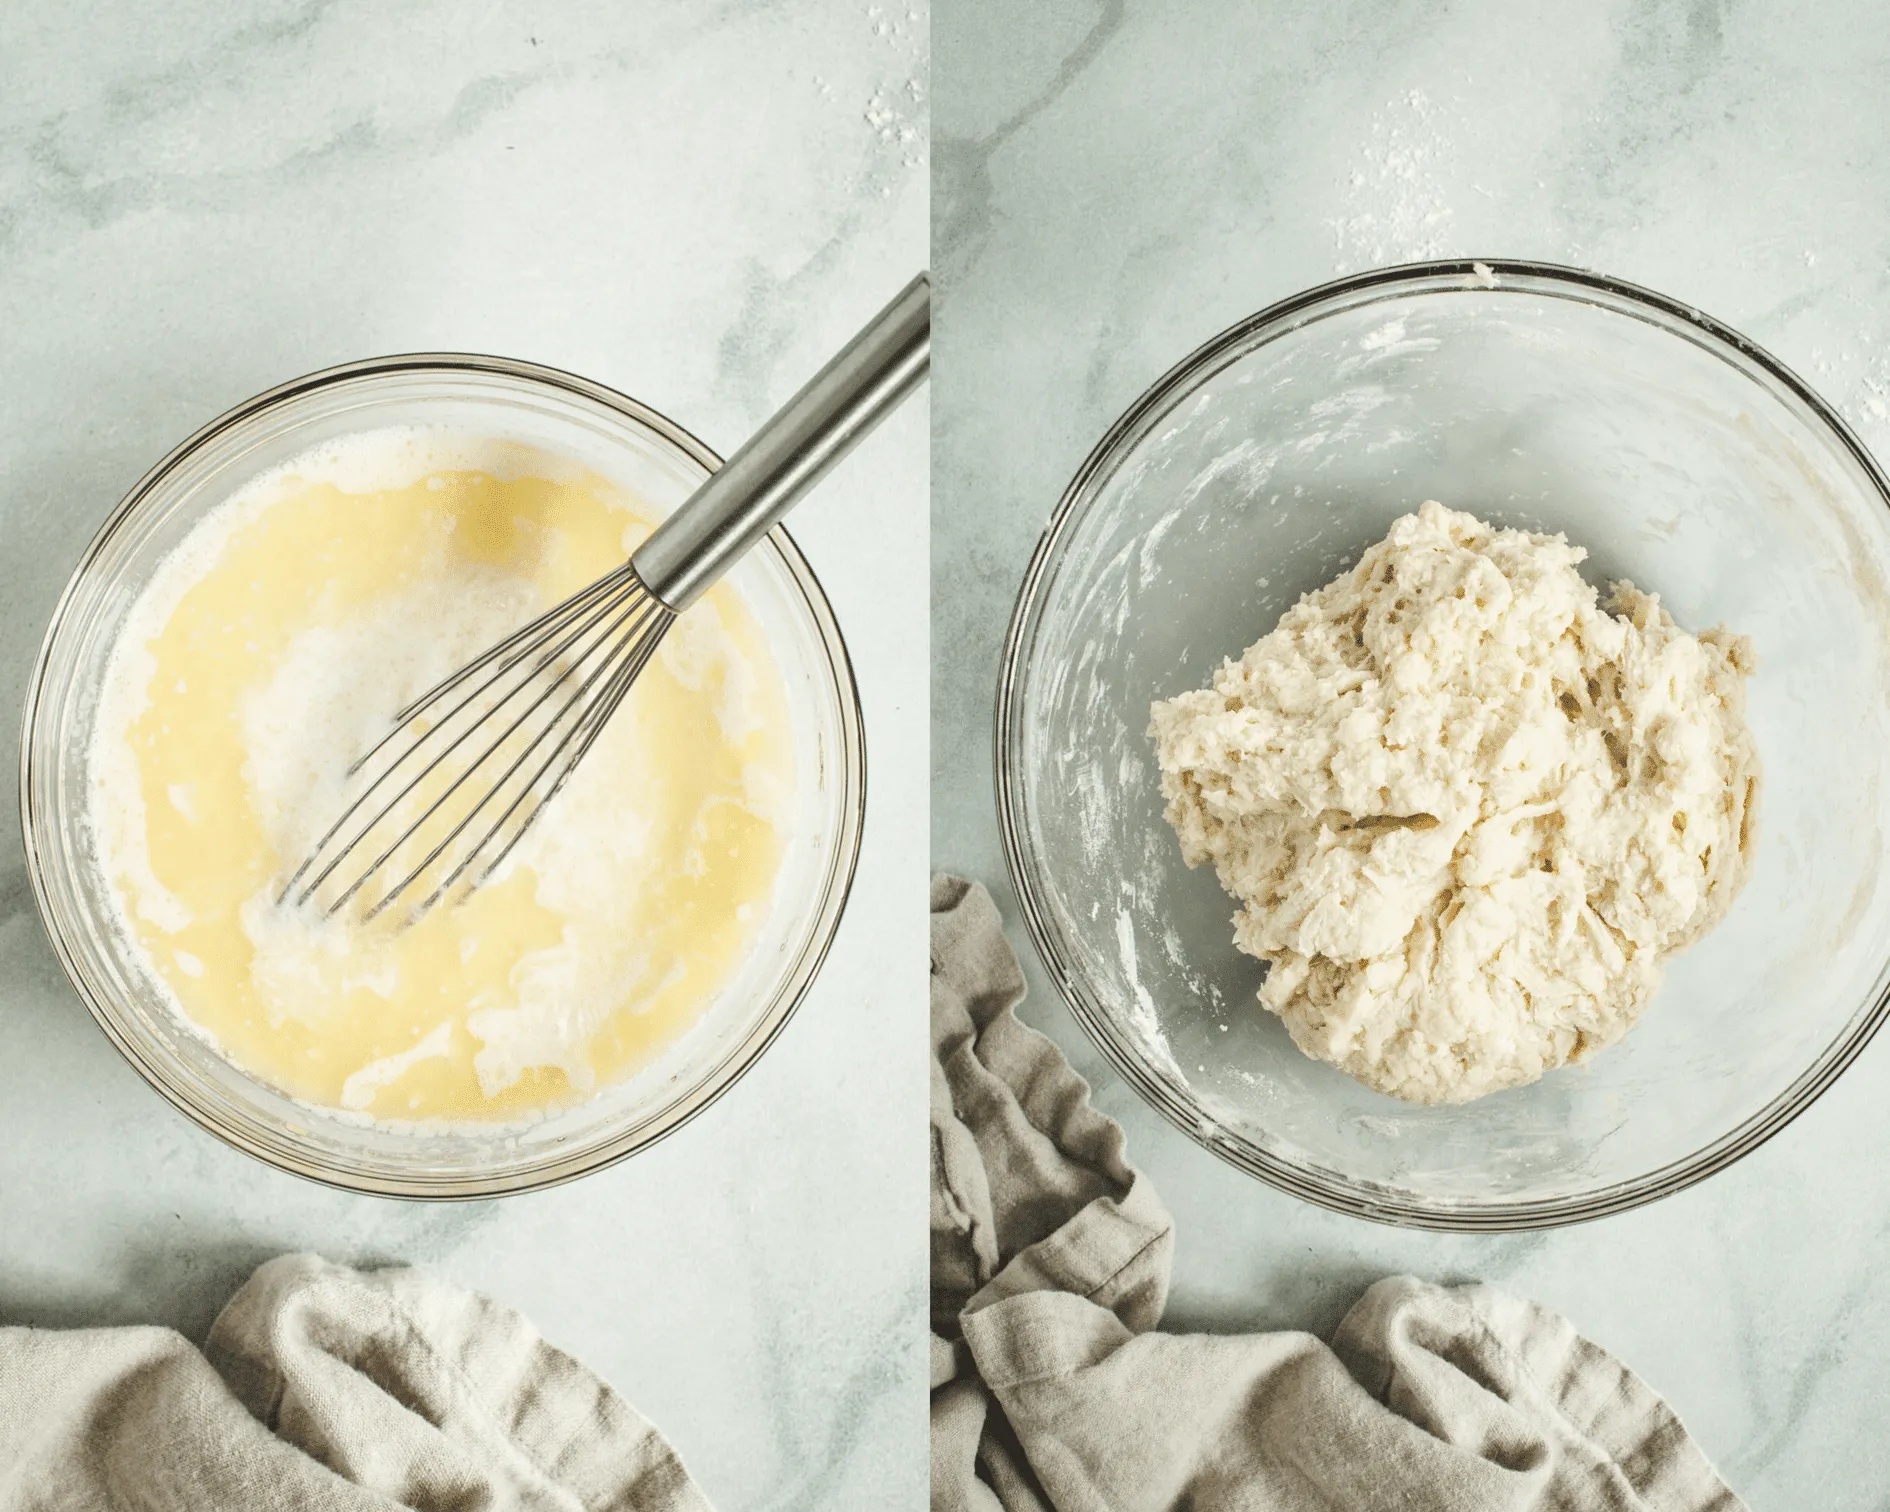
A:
590,723
419,741
641,625
542,628
546,624
615,616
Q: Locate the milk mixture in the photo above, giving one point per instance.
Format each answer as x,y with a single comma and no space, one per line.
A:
270,651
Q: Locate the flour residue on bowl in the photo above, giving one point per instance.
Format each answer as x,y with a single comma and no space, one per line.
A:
1141,1008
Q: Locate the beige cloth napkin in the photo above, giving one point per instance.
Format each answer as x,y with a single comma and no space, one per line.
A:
1051,1388
323,1389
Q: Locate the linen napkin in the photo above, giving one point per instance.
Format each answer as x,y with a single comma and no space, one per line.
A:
325,1389
1053,1391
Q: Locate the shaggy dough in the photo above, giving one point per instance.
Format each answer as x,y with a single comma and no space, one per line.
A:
1467,811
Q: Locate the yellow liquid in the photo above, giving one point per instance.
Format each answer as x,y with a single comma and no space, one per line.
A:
257,668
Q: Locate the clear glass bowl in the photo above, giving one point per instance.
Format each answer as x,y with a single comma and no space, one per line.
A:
510,402
1682,457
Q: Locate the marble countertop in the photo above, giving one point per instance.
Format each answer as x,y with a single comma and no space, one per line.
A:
1117,180
695,205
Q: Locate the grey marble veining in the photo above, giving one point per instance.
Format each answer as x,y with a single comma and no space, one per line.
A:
694,204
1117,180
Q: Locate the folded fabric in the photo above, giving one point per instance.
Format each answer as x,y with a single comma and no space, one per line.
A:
324,1389
1052,1391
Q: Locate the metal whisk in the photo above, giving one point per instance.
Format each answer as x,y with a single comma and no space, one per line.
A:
467,767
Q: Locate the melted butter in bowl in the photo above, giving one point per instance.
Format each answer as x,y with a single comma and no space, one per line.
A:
268,651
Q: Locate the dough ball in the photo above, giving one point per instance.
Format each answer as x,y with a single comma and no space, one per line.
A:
1468,812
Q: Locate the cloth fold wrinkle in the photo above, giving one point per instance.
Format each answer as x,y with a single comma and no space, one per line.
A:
326,1389
1054,1391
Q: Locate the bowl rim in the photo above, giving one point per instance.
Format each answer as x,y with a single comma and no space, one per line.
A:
282,1149
1356,1198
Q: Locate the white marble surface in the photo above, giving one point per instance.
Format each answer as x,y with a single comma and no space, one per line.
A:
691,203
1116,180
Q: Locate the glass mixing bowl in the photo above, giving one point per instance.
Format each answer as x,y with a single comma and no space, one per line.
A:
1683,458
513,403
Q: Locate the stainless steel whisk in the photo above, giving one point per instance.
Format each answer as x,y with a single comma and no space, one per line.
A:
530,707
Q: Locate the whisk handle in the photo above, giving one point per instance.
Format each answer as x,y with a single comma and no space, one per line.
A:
793,451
